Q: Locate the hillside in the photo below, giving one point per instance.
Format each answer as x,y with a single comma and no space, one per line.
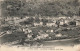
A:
42,7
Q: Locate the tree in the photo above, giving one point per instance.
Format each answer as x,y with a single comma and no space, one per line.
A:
12,7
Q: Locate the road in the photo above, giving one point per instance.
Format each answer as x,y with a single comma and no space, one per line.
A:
65,42
54,45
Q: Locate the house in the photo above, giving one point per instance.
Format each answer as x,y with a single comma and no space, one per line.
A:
26,30
8,19
62,22
10,22
51,23
16,18
55,18
50,31
66,21
72,23
27,17
58,35
62,17
29,36
77,19
8,32
40,18
77,23
41,35
38,24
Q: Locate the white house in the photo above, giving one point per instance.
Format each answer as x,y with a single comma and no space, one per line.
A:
58,35
8,32
66,21
51,23
77,23
41,36
8,18
29,36
62,17
62,22
10,22
20,20
27,30
26,17
38,24
50,31
16,18
40,18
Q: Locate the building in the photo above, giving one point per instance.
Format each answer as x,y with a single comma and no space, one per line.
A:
42,35
73,23
51,31
77,23
38,24
8,19
62,17
62,22
67,21
16,18
50,23
58,35
26,30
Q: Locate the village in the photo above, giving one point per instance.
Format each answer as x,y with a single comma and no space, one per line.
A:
39,28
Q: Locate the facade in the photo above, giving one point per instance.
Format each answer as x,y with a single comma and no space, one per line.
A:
77,23
62,17
51,23
50,31
26,30
62,21
38,24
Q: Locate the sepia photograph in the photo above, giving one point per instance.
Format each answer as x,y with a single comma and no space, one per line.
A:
40,25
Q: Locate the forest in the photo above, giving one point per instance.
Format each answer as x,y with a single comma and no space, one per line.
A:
55,8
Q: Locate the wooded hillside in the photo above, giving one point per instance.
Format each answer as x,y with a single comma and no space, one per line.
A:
40,7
